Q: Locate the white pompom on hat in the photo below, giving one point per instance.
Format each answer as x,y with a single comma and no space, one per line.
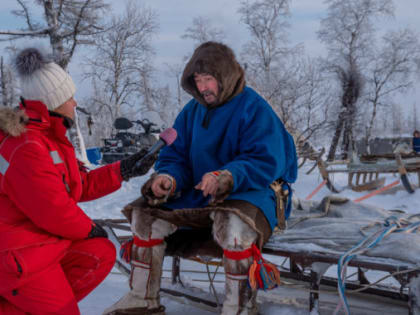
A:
43,80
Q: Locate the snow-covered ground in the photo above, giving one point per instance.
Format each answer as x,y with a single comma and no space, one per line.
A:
281,301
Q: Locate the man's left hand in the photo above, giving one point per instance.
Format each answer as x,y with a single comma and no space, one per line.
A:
208,184
217,184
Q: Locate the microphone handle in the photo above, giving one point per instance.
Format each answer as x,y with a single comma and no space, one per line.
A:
155,148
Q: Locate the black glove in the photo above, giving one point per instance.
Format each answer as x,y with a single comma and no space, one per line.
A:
97,231
128,166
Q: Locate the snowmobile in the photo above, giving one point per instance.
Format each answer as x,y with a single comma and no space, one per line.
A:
124,143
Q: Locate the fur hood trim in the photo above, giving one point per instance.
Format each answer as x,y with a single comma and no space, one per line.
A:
13,121
219,61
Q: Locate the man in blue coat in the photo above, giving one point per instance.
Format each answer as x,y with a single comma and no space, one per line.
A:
230,147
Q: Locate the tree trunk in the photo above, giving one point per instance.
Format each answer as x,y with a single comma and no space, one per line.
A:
348,138
336,138
347,144
3,83
370,127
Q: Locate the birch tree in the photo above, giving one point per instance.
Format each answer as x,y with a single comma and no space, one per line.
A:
202,30
289,82
392,72
121,58
348,32
264,53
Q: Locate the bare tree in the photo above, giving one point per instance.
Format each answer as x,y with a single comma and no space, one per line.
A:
348,31
157,99
122,59
392,71
176,72
290,83
311,110
202,31
265,54
267,22
66,24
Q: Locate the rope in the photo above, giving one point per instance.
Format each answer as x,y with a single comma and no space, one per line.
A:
392,224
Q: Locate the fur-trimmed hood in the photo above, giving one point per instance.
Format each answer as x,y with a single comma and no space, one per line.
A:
219,61
13,121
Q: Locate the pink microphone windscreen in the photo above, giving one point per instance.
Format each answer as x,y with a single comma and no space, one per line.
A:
168,135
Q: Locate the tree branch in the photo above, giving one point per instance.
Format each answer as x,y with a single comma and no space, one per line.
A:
26,14
26,33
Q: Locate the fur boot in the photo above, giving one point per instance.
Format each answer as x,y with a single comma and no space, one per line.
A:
234,235
146,267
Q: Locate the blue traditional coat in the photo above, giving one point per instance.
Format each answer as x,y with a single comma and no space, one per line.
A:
243,136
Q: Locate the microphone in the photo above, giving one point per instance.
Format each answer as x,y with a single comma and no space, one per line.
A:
166,137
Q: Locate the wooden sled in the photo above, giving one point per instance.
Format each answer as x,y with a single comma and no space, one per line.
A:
301,269
365,174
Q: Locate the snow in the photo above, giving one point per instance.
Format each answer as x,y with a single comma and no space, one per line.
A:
281,301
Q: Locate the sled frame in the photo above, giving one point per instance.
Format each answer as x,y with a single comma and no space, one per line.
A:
300,263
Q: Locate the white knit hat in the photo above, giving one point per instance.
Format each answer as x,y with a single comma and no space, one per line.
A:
43,80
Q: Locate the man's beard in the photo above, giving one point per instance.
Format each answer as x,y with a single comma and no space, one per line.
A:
209,93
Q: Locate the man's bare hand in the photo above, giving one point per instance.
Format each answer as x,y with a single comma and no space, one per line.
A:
209,185
161,186
217,184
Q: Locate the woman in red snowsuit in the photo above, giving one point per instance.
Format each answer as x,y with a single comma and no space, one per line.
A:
51,253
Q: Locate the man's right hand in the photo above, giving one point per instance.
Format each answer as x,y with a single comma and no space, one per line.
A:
162,186
158,188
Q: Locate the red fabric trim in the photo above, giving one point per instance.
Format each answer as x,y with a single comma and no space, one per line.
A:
257,253
150,243
252,251
235,255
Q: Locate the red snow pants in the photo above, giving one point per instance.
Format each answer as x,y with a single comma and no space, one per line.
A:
57,290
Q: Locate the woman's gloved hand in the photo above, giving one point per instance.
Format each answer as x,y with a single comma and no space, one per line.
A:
97,231
129,168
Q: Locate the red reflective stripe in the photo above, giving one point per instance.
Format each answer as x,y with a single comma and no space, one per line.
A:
150,243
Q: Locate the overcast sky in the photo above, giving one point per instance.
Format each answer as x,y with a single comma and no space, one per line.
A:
176,15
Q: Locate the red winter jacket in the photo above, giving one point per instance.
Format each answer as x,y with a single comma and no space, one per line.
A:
41,182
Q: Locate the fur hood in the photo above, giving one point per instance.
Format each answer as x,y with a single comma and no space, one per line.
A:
219,61
12,121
